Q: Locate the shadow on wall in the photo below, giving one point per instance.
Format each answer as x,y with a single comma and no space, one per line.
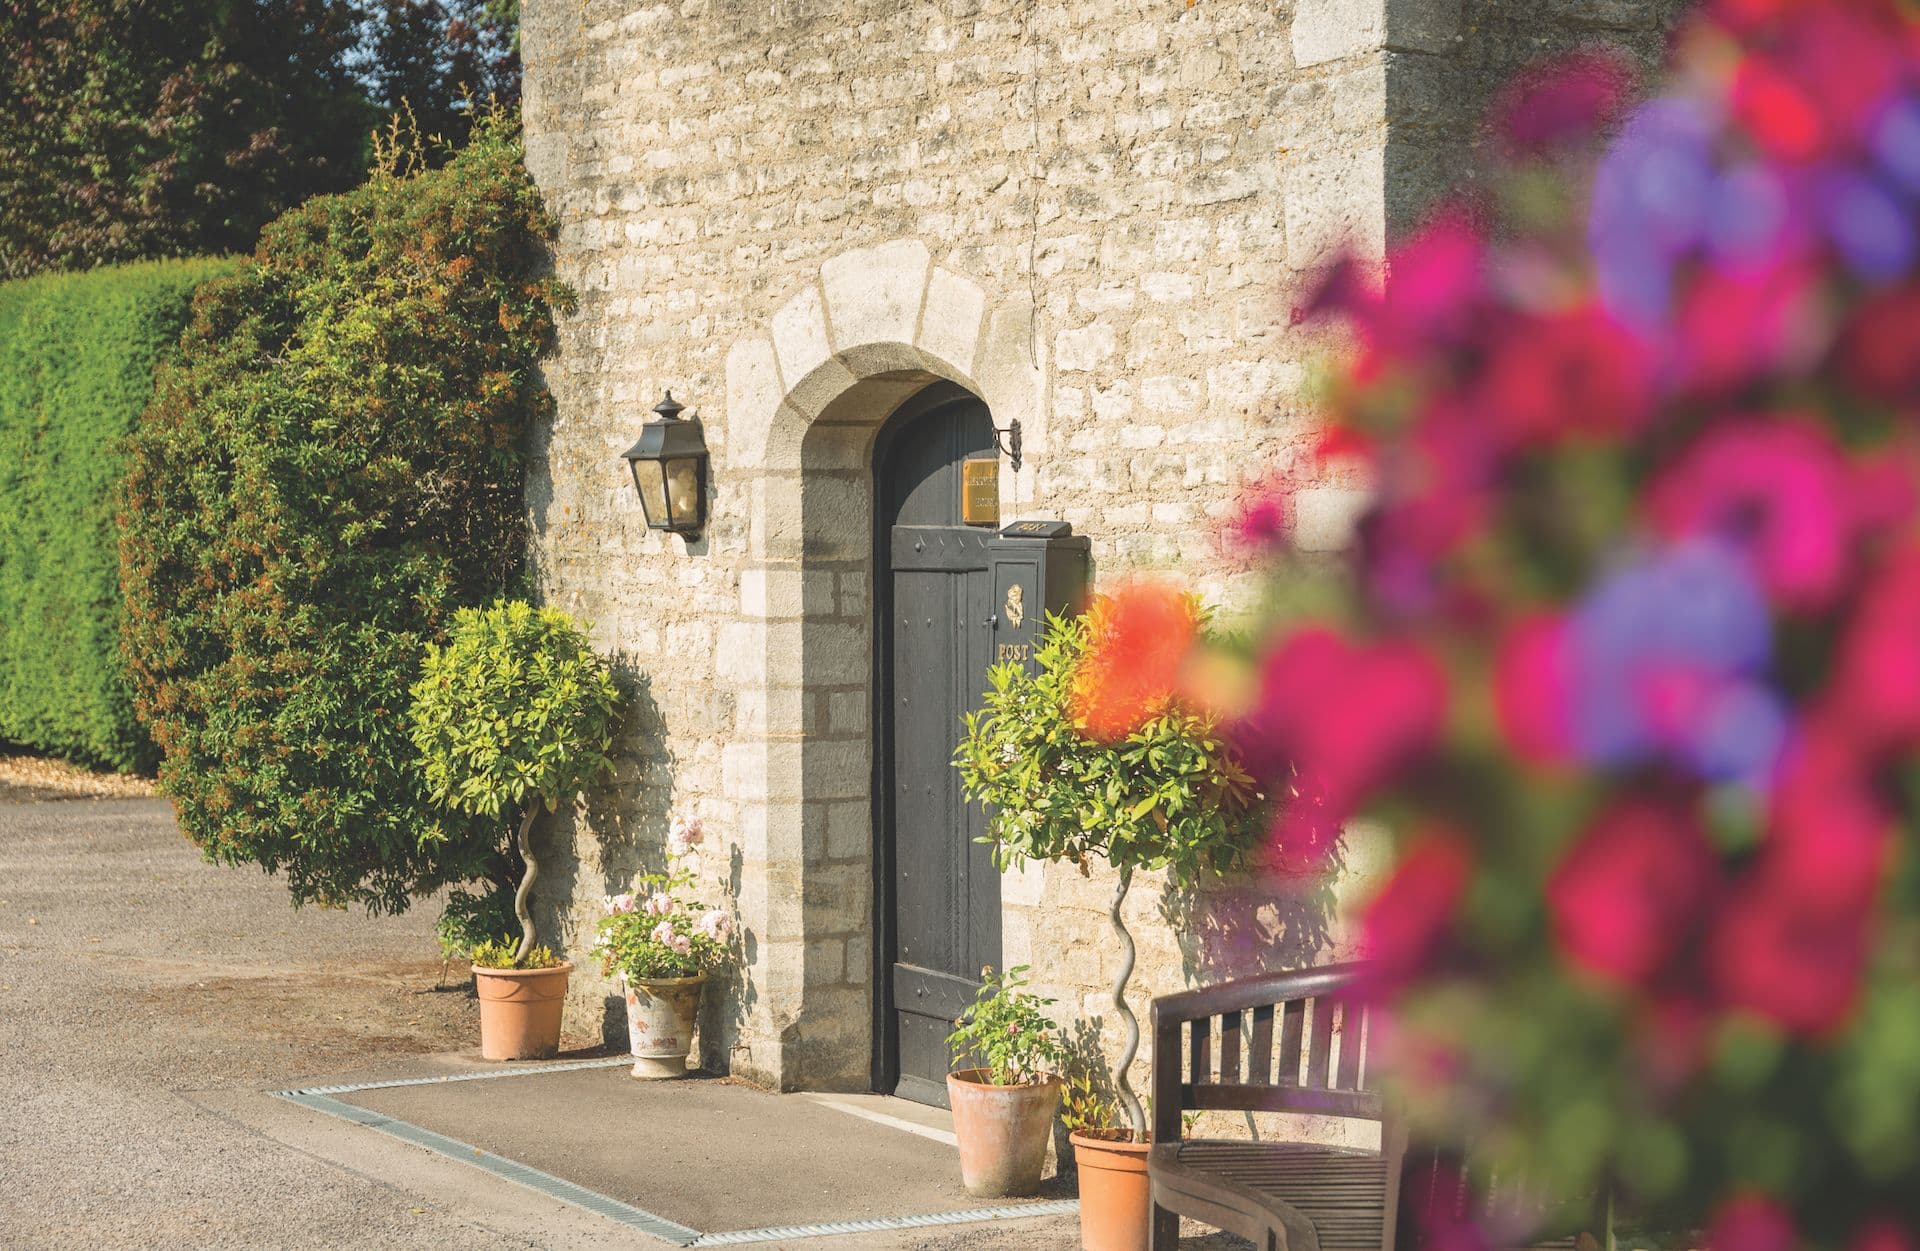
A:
1265,920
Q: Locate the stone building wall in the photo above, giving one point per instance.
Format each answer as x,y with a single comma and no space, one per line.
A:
1093,213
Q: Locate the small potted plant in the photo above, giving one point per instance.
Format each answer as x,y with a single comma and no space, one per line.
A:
512,717
662,946
1095,755
1003,1106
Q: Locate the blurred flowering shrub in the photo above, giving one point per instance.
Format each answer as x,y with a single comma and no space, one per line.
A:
1628,653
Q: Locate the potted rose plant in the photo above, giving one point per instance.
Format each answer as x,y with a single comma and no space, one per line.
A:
512,717
1003,1104
1095,754
662,945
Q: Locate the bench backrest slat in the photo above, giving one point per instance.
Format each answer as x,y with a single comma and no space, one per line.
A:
1293,1015
1353,1018
1320,1049
1230,1049
1200,1052
1260,1055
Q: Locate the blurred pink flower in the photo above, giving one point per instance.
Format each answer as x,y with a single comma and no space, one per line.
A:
1734,325
1404,924
1876,680
716,924
1531,690
1561,99
1577,372
1788,957
661,905
617,904
1262,519
681,944
1879,350
663,933
1625,898
1342,716
1752,1222
1829,834
1883,1234
1777,492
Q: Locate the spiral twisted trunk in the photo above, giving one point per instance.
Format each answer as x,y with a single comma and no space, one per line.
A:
521,896
1122,1085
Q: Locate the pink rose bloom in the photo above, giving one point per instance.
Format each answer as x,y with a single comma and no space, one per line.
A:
660,905
681,944
663,933
1624,898
716,924
617,904
685,835
1779,492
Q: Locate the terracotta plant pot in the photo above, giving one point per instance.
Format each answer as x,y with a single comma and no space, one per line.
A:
1116,1205
660,1016
520,1011
1003,1132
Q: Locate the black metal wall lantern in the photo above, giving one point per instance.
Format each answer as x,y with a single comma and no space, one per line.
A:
669,466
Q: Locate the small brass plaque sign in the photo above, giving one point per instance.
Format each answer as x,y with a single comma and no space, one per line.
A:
980,492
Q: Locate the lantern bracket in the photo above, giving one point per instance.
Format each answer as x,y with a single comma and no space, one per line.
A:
1006,439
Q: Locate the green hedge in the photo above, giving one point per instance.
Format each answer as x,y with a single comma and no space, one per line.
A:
330,469
77,354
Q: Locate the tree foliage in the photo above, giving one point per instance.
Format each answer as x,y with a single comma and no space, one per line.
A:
1166,793
332,469
516,709
440,61
77,354
146,128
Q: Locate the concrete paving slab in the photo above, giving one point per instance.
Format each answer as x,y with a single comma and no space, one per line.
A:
710,1154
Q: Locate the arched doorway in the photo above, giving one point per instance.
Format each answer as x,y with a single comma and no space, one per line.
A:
937,893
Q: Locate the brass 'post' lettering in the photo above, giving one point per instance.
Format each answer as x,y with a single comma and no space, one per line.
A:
1011,651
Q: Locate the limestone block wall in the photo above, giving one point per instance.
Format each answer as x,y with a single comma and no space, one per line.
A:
1095,214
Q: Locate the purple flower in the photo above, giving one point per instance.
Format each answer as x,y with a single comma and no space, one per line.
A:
1666,655
1895,139
1867,223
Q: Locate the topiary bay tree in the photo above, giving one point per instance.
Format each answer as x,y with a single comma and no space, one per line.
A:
1093,755
513,717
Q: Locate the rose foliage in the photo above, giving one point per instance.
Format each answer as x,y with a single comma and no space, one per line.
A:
1628,650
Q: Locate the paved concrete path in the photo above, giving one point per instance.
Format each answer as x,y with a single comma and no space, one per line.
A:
150,1000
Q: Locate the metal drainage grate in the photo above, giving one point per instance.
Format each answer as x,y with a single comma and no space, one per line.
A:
878,1224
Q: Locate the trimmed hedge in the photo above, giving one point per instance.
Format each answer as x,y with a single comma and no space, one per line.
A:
77,355
333,467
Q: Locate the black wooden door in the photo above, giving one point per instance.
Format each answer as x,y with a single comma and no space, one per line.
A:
940,894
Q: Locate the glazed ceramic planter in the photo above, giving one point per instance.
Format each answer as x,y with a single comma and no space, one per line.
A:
520,1011
660,1017
1115,1200
1003,1132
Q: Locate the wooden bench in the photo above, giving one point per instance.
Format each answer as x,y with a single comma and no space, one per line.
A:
1289,1042
1297,1042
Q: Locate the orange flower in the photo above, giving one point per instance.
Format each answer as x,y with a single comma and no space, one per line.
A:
1139,639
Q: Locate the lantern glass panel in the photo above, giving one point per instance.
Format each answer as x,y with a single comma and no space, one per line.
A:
683,488
649,478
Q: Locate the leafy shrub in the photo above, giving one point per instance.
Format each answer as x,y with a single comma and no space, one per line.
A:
77,354
1007,1031
513,715
502,953
332,469
469,919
